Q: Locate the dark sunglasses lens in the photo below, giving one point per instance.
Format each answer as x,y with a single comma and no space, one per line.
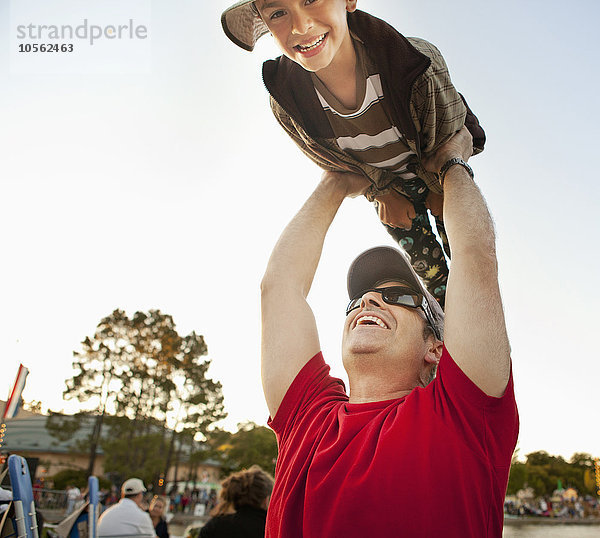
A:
401,296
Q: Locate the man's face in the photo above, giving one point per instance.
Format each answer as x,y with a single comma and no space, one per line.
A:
388,331
311,33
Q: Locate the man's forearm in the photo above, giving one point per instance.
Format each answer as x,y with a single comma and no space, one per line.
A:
467,219
296,255
475,329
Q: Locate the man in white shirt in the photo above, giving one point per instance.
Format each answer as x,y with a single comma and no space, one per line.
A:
73,495
127,518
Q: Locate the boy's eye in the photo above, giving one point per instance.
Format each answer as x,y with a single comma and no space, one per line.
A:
277,14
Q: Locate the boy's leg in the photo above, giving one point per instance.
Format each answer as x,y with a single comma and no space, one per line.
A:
425,252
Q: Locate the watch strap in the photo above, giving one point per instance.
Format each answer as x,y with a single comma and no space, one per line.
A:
451,162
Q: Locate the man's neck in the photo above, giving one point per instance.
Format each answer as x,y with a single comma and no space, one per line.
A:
377,384
373,390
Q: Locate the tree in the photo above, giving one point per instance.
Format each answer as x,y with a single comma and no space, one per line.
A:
34,406
100,366
141,370
517,477
250,445
582,459
543,472
78,478
142,454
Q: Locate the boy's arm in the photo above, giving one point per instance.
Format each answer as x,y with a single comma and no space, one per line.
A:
290,128
474,327
289,332
438,110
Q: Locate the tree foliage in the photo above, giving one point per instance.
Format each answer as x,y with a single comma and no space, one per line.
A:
145,382
76,477
542,472
251,444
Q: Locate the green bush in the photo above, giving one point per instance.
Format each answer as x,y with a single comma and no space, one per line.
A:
70,476
76,477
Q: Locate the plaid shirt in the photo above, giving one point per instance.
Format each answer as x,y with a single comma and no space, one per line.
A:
425,105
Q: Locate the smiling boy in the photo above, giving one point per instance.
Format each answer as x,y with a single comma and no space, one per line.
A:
355,95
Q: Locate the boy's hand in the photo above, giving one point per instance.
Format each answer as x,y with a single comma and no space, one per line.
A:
395,210
351,184
435,203
460,145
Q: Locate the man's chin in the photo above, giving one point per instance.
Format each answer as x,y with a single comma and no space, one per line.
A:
362,349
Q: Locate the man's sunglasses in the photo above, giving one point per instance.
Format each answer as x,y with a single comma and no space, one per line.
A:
399,296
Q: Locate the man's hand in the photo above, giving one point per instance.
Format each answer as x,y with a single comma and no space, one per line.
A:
460,145
351,184
395,210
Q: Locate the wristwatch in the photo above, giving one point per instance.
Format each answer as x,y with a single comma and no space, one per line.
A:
452,162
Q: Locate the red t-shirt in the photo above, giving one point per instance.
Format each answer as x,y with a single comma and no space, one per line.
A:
432,464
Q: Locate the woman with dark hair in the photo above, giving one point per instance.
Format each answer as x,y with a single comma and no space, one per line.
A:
242,510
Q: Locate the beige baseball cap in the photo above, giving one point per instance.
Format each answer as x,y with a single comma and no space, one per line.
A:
131,486
243,25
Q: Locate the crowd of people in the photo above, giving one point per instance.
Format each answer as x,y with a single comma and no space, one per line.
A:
186,502
575,508
240,510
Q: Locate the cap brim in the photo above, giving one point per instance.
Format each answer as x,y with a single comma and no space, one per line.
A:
386,263
377,264
241,24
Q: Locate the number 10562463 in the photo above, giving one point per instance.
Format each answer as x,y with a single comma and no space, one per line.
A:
45,47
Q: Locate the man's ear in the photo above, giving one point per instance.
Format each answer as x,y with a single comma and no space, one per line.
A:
434,351
351,6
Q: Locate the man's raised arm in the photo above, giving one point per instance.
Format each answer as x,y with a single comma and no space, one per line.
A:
289,332
474,328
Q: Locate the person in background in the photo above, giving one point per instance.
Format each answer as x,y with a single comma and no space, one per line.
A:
242,511
157,512
73,495
127,517
185,501
112,497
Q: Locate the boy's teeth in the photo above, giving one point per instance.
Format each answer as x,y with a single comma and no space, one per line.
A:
312,45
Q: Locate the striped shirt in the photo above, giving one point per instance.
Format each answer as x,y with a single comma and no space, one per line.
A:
367,132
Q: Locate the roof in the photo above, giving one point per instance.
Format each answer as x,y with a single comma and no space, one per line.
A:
21,413
30,434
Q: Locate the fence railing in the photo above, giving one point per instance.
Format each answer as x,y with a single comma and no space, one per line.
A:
48,499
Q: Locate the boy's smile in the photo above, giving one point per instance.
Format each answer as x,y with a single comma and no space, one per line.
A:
312,33
312,47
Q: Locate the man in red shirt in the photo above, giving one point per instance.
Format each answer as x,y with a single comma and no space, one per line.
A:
421,446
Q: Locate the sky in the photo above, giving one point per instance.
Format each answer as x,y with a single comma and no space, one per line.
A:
150,174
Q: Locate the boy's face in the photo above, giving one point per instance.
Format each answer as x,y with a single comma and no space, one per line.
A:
312,33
